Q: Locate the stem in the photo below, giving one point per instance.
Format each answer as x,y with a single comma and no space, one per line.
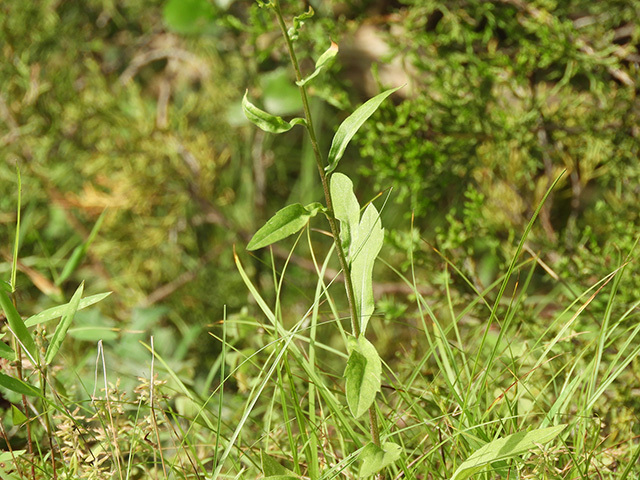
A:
335,232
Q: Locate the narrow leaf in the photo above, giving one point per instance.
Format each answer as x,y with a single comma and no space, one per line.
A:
63,326
285,222
351,125
369,239
266,121
323,61
346,209
363,375
503,448
18,327
56,312
374,458
18,386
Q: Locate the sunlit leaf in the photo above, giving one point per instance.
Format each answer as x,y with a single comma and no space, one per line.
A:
503,448
289,220
363,375
266,121
346,209
323,61
351,125
374,458
365,249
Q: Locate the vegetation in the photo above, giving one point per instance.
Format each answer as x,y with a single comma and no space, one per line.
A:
164,316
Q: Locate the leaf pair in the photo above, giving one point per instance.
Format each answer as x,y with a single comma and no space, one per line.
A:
361,239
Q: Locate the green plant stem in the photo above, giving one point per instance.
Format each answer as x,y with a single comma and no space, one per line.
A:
335,232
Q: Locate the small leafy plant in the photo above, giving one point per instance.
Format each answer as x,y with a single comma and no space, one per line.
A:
358,237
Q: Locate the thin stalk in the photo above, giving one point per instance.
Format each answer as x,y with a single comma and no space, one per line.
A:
335,232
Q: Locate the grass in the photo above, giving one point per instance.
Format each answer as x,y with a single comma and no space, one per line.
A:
498,383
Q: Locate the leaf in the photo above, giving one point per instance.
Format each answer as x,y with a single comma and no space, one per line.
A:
363,375
365,249
323,61
266,121
63,326
18,386
18,327
285,222
346,209
351,125
503,448
271,467
17,417
374,458
55,312
6,351
298,22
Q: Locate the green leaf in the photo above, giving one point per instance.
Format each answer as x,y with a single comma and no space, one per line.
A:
346,209
17,417
351,125
363,375
63,326
272,468
365,249
55,312
18,327
6,351
503,448
18,386
298,22
266,121
285,222
374,458
323,61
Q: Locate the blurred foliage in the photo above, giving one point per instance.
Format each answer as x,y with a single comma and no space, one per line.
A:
502,97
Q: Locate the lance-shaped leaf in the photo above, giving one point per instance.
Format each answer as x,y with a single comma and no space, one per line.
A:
346,209
266,121
18,327
503,448
56,312
285,222
272,468
18,386
368,242
323,61
374,458
363,375
351,125
63,326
